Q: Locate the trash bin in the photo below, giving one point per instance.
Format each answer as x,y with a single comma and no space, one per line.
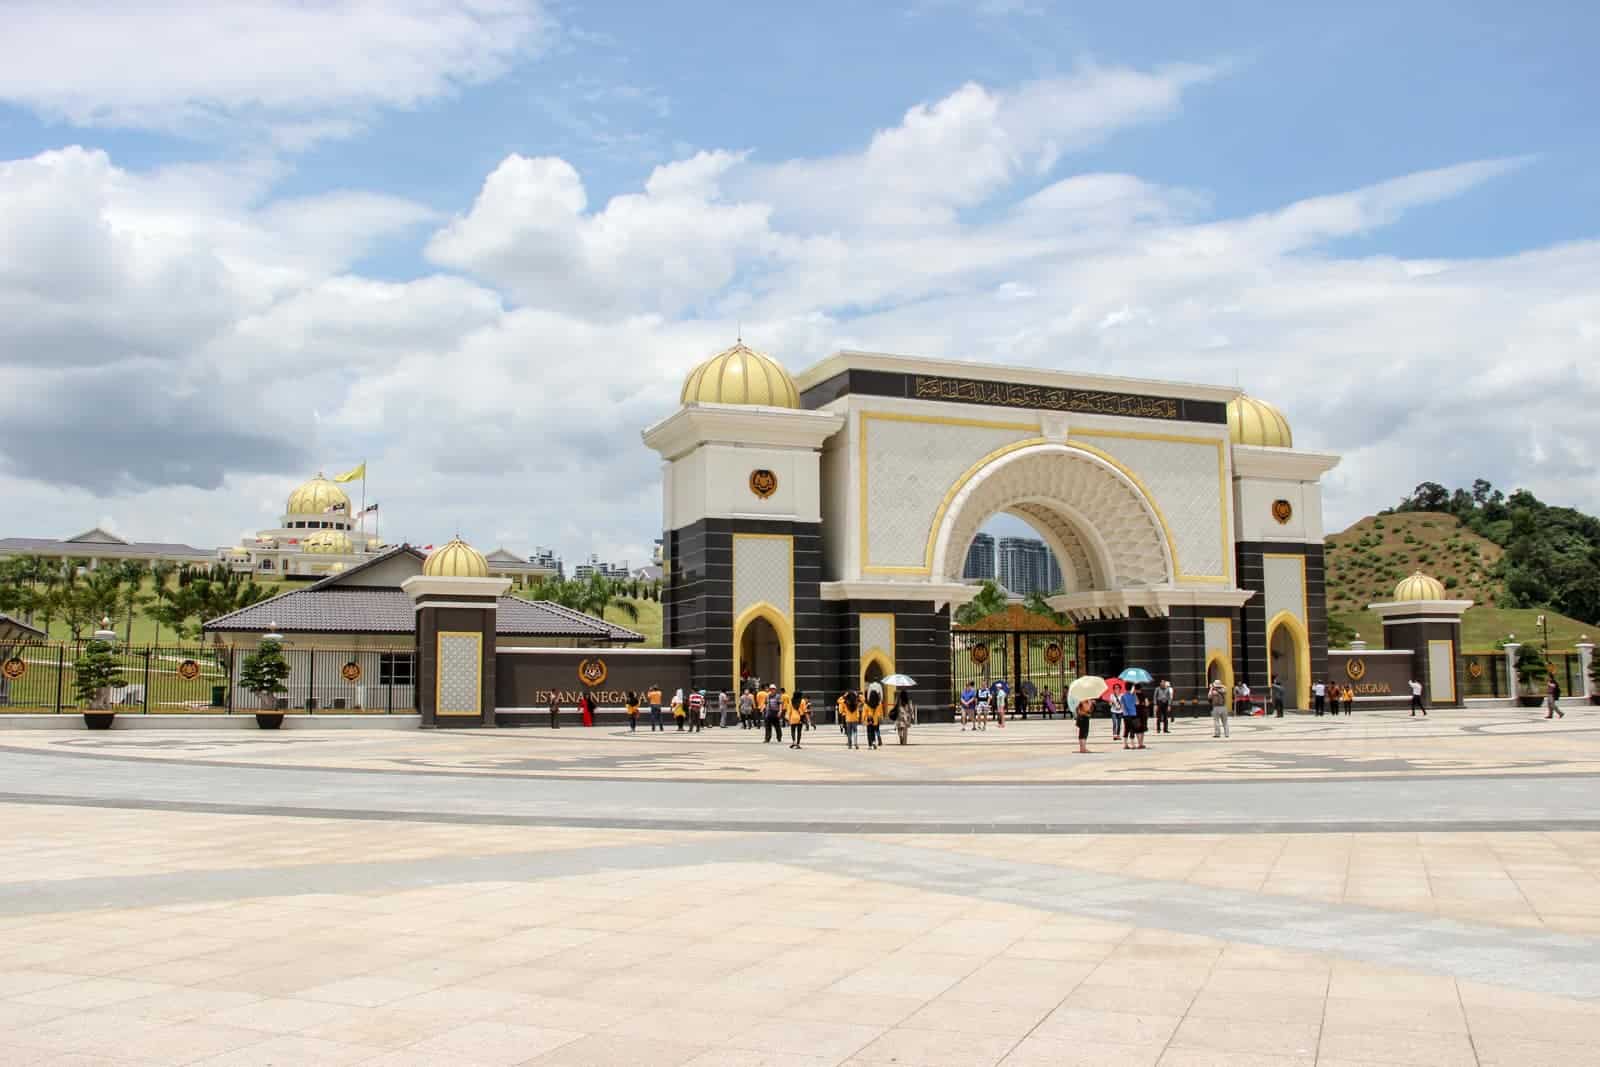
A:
219,696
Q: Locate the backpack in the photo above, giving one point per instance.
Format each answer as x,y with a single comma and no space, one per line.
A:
774,704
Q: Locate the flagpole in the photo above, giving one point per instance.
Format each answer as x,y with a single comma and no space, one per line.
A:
363,526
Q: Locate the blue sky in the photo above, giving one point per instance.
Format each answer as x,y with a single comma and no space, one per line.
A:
1389,194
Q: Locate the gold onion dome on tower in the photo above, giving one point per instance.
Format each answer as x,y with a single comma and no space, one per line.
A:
741,375
316,497
1419,586
336,542
1256,422
457,559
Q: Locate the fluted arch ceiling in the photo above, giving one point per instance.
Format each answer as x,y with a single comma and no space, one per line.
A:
1103,531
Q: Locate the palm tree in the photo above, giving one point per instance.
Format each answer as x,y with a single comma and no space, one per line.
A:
989,601
1036,604
600,593
133,597
161,573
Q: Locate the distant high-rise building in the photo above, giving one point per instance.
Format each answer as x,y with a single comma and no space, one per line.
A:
546,557
1024,565
980,559
619,572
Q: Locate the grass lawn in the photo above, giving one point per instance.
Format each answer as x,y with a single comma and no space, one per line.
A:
648,623
144,627
1481,627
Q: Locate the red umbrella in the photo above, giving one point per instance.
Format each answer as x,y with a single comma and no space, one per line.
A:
1114,689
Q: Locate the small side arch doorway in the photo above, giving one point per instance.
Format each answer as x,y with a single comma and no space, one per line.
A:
1289,659
764,649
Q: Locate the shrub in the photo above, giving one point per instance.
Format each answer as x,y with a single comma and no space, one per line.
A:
96,671
263,672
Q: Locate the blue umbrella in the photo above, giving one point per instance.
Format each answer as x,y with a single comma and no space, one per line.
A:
1136,675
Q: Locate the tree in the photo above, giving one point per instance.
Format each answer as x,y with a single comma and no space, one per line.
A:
989,601
1429,496
1036,603
599,593
264,671
132,596
95,673
1340,633
161,573
1531,666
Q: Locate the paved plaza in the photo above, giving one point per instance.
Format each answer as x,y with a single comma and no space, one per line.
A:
1370,890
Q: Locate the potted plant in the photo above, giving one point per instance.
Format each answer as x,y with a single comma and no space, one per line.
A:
94,675
1532,670
263,673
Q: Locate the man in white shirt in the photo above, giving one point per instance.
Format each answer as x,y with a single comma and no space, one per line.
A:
1241,698
1319,697
1416,699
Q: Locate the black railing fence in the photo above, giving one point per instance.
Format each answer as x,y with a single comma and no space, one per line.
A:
203,679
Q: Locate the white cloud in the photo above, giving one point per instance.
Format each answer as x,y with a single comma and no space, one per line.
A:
295,66
190,348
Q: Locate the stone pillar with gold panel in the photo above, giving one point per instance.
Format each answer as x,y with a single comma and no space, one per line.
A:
742,526
1424,620
1277,495
455,601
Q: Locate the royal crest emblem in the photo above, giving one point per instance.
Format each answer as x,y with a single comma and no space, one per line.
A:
14,668
763,483
1053,653
351,672
980,653
188,670
1356,669
1283,511
592,672
1475,669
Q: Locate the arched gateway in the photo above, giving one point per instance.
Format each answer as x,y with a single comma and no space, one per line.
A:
816,527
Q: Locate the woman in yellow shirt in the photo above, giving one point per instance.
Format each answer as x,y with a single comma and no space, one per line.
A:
873,716
633,712
799,708
850,708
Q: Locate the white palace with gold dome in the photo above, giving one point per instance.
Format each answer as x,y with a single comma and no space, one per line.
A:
816,524
317,535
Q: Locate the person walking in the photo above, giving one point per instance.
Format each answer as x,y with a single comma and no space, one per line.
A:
1218,697
851,711
1082,713
1275,694
632,707
586,709
799,708
555,712
1001,695
1349,694
1116,716
724,705
773,722
1552,696
1128,707
747,710
678,710
1164,707
1319,696
1047,704
904,714
1416,699
1022,701
697,711
969,707
873,716
653,698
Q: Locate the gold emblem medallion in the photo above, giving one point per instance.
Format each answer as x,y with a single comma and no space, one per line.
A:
1475,669
592,672
980,653
188,670
1283,511
351,672
1052,653
1356,669
14,668
763,483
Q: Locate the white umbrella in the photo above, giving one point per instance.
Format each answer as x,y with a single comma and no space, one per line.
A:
1089,687
900,681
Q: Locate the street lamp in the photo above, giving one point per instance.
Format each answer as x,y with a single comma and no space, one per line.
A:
1544,628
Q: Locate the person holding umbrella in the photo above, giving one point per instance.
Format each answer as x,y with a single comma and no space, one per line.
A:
1081,697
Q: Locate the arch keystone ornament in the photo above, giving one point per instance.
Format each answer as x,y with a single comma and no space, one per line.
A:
763,482
592,672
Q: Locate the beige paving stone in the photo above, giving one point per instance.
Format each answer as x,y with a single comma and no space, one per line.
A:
812,1037
1192,1057
490,1041
608,1050
1066,1052
936,1048
1350,1040
964,1017
1227,1035
1129,1027
287,1050
749,1058
94,992
277,1015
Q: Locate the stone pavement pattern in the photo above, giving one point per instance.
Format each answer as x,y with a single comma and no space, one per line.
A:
235,923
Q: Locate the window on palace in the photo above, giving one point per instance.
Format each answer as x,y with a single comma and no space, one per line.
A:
266,564
396,668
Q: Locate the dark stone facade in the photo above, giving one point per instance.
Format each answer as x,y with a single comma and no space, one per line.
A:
1253,661
1173,647
1415,635
430,622
921,647
697,602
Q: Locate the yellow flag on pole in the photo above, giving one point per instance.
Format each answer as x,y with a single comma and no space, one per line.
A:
358,471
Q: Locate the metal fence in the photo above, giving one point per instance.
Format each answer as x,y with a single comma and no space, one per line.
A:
203,679
1486,675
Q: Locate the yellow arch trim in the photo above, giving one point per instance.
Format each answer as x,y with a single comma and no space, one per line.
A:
1226,673
780,625
1302,654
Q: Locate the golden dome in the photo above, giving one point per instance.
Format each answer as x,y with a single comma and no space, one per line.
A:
329,541
316,497
1419,587
373,544
455,560
741,375
1256,422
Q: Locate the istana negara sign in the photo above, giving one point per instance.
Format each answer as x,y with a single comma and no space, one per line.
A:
1044,397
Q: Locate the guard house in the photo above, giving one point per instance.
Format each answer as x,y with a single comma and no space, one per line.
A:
815,526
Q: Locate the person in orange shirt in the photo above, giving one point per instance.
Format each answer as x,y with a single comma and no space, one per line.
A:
851,710
799,709
873,716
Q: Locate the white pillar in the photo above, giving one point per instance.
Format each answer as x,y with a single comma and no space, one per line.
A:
1512,647
1585,658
